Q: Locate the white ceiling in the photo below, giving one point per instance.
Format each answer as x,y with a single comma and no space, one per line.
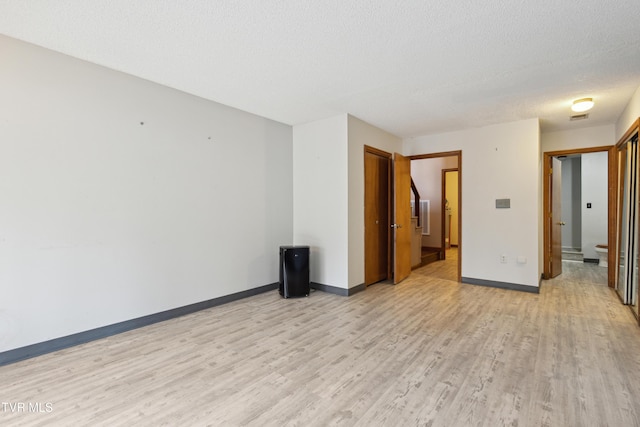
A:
411,67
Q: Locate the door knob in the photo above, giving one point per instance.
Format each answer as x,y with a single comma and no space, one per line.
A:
562,223
396,226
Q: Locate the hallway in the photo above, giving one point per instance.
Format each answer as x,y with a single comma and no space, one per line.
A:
446,269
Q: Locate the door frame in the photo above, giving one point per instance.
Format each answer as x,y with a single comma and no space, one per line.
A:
457,154
555,218
612,197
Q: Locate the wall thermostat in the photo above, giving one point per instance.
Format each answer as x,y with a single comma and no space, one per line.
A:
503,203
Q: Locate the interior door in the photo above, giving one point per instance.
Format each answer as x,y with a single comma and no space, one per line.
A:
376,221
402,218
555,257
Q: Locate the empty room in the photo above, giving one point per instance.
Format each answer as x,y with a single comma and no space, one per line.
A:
357,213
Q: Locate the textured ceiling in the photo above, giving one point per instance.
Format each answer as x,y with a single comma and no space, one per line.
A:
410,67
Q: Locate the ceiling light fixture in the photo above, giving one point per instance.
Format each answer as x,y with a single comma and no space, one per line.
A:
582,105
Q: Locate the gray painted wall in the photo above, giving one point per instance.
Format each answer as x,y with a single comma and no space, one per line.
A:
571,203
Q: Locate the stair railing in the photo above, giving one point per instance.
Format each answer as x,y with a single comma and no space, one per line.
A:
416,204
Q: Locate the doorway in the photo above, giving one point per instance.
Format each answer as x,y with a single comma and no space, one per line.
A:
555,220
387,244
450,178
438,177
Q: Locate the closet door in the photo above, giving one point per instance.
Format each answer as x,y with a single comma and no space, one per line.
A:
622,221
633,282
627,280
376,226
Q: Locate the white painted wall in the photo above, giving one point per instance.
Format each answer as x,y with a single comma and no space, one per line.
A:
328,157
499,161
103,219
571,202
597,136
594,191
360,134
321,199
630,114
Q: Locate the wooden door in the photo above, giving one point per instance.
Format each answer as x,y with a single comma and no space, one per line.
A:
376,213
556,218
402,218
622,167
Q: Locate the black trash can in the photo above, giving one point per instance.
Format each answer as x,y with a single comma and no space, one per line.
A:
294,271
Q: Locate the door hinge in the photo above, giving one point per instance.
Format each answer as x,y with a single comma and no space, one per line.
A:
550,171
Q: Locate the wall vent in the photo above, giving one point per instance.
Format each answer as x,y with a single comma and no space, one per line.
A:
579,117
425,215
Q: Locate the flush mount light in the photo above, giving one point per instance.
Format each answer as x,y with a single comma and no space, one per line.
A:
582,105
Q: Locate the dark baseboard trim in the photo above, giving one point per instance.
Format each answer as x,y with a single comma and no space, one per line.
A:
591,260
33,350
501,285
361,287
338,291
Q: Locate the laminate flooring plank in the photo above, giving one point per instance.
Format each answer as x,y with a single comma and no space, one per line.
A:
429,351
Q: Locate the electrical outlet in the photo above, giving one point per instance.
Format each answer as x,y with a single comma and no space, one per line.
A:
504,259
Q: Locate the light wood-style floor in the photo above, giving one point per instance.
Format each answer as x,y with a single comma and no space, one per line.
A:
427,352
